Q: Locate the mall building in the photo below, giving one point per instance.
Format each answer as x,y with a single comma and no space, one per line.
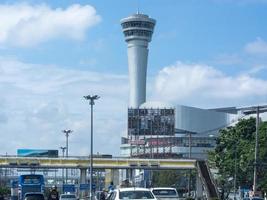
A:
157,130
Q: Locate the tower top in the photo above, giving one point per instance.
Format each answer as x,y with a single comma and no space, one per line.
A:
138,27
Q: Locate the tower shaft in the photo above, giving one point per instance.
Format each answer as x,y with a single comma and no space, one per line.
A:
137,62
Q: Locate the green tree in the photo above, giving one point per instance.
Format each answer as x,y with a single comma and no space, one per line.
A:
239,142
171,178
4,191
165,178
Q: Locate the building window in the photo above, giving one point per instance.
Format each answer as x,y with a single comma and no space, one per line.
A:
137,33
139,24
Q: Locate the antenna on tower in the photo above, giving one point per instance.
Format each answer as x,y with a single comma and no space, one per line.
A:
138,10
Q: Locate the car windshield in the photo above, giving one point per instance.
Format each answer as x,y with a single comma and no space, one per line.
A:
34,197
165,192
135,195
68,196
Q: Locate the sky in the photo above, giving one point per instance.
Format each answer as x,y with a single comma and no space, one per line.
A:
52,53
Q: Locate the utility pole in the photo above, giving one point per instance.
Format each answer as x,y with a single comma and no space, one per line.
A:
92,103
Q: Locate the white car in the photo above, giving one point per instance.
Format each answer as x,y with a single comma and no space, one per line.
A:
131,193
67,197
165,193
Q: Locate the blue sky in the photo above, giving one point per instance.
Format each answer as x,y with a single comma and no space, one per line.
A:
208,54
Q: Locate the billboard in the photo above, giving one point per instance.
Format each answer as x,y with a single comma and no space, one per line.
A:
37,153
151,121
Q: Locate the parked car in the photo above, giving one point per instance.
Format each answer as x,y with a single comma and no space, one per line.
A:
34,196
165,193
67,197
131,193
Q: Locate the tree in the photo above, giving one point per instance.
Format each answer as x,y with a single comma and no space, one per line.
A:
165,178
238,143
4,191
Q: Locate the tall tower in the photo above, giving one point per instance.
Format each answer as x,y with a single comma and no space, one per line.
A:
138,30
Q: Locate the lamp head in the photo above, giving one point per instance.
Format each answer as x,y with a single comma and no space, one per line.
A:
91,98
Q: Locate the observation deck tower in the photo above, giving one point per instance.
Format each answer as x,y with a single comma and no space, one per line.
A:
138,30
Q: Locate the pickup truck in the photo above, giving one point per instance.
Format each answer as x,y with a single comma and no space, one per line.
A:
165,193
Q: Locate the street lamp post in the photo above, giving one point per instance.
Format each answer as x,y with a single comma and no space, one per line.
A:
63,155
189,156
67,133
235,171
91,100
256,151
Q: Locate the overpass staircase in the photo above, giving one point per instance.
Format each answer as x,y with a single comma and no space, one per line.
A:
207,180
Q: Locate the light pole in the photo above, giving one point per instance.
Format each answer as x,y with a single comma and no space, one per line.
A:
256,151
235,171
91,100
189,156
63,154
67,133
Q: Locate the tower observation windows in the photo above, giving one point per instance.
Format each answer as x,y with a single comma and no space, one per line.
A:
140,24
138,33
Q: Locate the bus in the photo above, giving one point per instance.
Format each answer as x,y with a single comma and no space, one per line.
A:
30,183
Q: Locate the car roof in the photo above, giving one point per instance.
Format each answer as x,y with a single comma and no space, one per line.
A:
132,189
163,188
29,193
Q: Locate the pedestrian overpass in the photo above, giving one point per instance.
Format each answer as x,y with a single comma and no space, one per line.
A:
204,178
98,163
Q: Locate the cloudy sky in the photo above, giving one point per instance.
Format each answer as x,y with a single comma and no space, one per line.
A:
52,53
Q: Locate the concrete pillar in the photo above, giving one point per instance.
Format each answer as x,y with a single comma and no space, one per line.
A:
112,175
130,176
199,188
82,193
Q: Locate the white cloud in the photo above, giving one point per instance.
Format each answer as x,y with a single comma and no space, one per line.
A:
38,101
28,25
258,47
195,84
